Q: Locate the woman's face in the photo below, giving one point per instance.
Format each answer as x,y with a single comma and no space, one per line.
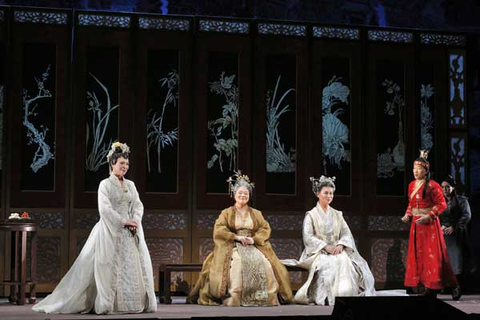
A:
325,196
242,195
120,168
447,189
419,172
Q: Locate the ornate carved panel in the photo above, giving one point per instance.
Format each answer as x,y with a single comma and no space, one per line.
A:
103,20
458,159
164,221
390,36
279,222
336,33
86,221
224,26
443,39
387,223
388,259
282,29
165,250
22,16
49,220
289,249
457,88
354,222
48,259
164,24
206,246
206,221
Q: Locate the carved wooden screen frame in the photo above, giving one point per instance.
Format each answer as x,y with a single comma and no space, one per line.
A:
435,55
115,32
48,208
218,36
151,36
401,52
282,39
350,50
27,30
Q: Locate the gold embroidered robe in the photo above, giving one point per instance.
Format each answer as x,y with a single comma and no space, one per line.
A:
212,286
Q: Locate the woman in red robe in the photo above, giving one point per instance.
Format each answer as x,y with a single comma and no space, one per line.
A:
427,261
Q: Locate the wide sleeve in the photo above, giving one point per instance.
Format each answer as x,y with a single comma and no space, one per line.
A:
111,217
437,199
312,243
221,231
262,234
465,212
346,237
137,207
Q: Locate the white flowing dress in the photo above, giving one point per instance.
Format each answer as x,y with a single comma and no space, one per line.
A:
113,272
345,274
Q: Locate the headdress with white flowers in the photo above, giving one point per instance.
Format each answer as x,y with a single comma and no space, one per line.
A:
124,148
323,181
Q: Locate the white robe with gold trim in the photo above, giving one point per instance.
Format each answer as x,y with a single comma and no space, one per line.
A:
113,272
345,274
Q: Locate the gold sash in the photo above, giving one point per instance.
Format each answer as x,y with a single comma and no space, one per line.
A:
421,211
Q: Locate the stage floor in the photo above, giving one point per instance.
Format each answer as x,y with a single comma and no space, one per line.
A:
469,304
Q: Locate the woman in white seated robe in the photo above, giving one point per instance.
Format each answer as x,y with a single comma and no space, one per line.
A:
113,272
335,266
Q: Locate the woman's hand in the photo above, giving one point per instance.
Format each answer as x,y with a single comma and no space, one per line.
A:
131,225
330,249
424,220
406,218
244,240
338,249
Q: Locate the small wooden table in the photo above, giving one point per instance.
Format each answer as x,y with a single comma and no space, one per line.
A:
18,262
165,275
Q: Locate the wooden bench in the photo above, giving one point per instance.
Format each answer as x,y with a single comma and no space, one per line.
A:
165,274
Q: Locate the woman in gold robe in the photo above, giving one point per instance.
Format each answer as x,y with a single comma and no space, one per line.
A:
242,270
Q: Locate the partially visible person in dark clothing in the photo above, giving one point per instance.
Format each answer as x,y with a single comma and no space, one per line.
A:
454,221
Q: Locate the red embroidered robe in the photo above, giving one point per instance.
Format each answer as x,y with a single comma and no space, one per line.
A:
427,261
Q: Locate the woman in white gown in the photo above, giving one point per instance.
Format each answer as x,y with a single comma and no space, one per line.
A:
113,272
335,266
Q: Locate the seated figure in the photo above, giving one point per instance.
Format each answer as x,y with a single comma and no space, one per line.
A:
335,266
242,270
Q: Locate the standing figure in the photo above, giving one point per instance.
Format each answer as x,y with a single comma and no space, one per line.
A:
454,221
242,270
427,261
331,256
113,272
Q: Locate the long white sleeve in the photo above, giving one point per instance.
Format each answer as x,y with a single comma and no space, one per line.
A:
312,243
111,217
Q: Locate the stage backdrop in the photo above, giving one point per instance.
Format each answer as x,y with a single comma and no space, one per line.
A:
197,98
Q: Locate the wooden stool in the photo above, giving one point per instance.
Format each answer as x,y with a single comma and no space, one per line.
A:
18,262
